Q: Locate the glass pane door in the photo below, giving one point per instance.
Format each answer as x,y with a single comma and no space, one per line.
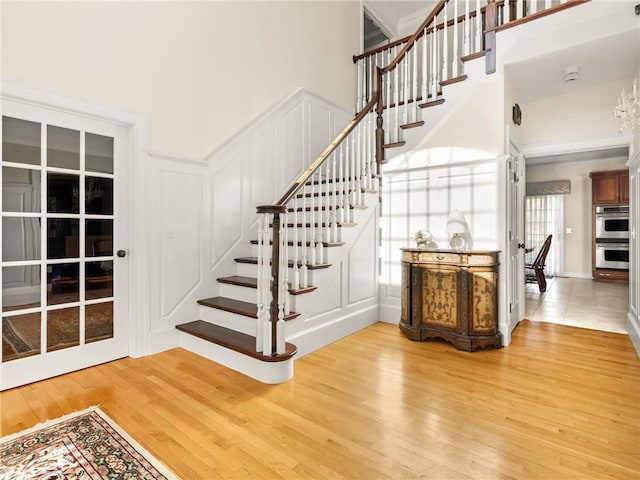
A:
58,225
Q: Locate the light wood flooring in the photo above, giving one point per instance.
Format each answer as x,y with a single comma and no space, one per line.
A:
559,403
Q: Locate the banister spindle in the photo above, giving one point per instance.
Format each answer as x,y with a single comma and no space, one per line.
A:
317,236
334,198
414,77
387,112
425,78
456,52
520,9
361,82
295,281
506,12
466,30
434,64
311,249
479,31
445,48
396,97
284,266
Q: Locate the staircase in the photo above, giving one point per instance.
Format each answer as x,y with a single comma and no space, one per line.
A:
245,326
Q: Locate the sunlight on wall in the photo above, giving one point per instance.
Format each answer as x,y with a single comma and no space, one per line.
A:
420,189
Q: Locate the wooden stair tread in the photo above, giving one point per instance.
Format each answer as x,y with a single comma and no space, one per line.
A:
432,103
451,81
394,144
237,306
254,261
471,56
412,125
251,282
237,341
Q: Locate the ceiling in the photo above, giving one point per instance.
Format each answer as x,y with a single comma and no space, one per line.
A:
542,77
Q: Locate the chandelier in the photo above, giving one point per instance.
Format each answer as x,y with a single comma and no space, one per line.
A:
627,111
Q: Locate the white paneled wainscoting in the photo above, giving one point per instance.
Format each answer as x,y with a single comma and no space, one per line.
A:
203,214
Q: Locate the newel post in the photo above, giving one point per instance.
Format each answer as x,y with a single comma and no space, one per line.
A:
490,22
379,121
272,333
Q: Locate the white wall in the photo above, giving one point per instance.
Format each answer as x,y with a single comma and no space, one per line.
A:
577,208
575,117
201,70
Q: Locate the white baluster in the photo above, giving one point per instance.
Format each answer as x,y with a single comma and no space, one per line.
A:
326,217
396,96
415,80
387,102
434,64
425,78
303,244
533,7
295,282
479,26
519,9
340,185
445,49
361,65
304,270
266,338
284,264
456,52
467,29
547,4
312,225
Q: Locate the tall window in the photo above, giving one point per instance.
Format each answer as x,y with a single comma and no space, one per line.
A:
544,217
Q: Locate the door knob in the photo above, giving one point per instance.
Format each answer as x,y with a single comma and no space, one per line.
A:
121,253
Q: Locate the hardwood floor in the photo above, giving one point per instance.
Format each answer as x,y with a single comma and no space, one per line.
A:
559,403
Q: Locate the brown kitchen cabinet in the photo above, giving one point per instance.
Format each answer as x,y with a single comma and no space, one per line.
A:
610,187
451,295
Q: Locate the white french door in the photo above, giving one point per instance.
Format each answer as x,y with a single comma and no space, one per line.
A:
64,239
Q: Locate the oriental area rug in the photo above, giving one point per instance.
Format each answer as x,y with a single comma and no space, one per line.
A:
83,445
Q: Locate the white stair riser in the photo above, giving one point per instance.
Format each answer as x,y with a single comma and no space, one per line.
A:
265,372
229,320
237,292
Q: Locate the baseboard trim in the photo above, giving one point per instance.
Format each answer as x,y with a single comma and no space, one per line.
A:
315,338
389,314
633,329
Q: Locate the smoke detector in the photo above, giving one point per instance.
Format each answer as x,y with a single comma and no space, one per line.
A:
570,74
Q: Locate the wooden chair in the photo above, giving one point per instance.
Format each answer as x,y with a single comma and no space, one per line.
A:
537,267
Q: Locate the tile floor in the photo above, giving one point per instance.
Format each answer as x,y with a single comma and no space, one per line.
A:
579,302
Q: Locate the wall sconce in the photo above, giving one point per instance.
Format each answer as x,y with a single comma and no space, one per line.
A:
457,227
627,111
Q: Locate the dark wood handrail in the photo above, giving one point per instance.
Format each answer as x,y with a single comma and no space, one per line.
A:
534,16
434,13
400,41
311,169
